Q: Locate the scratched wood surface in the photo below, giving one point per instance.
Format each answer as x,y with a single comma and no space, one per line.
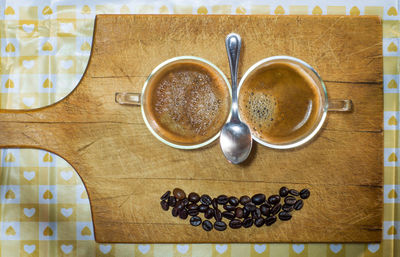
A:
125,169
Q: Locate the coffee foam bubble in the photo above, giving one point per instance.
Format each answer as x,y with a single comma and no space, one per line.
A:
261,110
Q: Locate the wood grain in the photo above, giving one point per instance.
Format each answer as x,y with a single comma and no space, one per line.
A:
125,169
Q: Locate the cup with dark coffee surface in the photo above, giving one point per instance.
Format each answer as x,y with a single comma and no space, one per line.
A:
284,101
185,102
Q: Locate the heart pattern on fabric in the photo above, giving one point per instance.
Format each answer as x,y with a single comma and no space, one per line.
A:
105,248
335,247
260,248
182,248
29,248
373,248
66,212
29,175
28,28
29,212
221,248
66,64
28,64
66,175
144,248
298,248
67,248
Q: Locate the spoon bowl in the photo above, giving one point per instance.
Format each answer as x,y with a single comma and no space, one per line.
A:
236,142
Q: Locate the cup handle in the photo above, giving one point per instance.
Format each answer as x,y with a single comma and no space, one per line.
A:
336,105
128,98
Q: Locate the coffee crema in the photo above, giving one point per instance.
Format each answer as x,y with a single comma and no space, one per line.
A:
189,103
280,102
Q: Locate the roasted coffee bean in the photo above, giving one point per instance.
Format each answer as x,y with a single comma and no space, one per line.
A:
164,205
179,193
258,199
203,208
259,222
207,225
274,199
220,225
284,191
290,200
185,201
209,213
175,211
228,215
229,207
192,206
298,205
239,212
222,199
250,207
195,221
218,215
256,213
304,193
284,215
194,197
183,214
247,222
287,207
165,196
245,199
270,220
294,192
171,201
180,205
235,224
233,201
264,210
246,213
205,199
276,209
214,203
193,212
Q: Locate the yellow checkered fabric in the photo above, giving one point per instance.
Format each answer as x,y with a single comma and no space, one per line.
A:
45,47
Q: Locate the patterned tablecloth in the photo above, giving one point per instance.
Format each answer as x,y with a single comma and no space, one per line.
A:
45,46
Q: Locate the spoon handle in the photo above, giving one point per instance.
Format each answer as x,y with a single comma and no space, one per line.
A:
233,44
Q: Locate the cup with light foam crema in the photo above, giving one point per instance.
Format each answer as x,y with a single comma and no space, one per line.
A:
284,101
185,102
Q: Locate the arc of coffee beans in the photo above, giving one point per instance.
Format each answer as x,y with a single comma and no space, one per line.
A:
244,211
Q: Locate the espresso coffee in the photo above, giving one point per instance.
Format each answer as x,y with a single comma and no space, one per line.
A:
189,103
280,102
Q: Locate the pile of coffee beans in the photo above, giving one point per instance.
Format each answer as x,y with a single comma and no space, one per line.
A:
244,211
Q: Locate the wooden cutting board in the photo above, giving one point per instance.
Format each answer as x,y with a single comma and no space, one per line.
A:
125,169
